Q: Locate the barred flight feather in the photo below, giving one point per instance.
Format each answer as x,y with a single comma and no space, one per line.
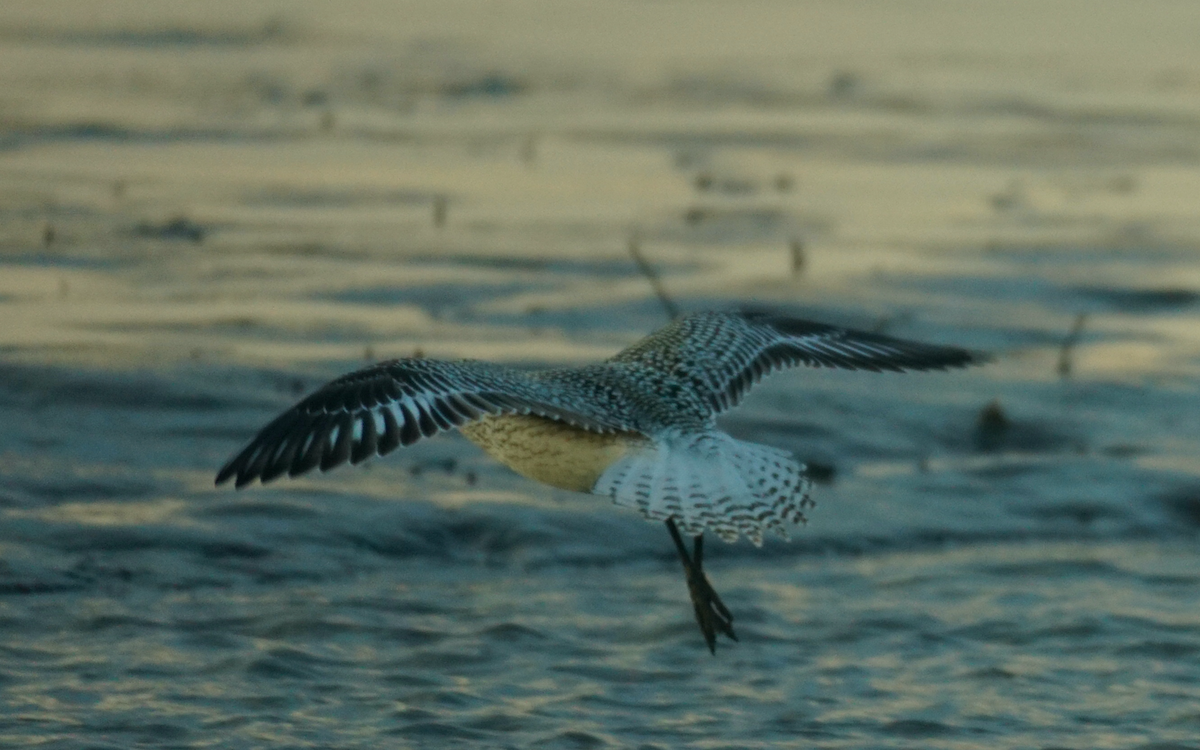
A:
660,396
711,482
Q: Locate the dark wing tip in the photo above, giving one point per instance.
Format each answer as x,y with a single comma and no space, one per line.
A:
245,467
238,467
933,357
242,481
331,428
977,357
224,474
378,409
318,432
297,442
865,350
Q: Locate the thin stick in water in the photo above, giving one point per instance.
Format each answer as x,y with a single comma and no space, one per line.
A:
1064,351
797,247
651,275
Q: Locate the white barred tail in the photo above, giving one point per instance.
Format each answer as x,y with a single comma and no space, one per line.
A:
711,482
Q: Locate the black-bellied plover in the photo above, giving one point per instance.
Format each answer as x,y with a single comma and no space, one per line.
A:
639,428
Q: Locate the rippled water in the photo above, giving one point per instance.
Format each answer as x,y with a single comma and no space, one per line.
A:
230,213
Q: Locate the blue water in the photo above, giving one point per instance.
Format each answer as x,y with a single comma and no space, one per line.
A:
1028,580
1040,593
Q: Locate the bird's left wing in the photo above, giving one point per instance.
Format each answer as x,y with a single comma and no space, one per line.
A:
376,409
722,355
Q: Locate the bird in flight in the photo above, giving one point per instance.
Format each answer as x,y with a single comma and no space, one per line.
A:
639,428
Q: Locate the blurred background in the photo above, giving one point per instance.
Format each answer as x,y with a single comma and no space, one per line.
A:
208,209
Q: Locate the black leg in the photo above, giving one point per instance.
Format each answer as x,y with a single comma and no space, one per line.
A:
698,561
711,613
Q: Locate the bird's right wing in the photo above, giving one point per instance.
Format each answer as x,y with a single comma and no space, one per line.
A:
376,409
723,354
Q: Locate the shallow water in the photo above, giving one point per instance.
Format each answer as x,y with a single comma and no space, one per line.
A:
206,212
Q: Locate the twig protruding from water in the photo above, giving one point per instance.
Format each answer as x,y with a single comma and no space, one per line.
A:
651,275
1065,362
991,426
797,247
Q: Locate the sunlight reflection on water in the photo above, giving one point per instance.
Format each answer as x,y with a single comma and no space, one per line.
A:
197,242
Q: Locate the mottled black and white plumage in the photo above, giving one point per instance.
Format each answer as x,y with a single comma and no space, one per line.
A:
639,428
668,388
377,409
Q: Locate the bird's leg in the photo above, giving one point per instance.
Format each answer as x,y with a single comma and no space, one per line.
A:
711,613
698,561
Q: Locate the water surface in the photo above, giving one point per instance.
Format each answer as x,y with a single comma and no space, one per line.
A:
206,212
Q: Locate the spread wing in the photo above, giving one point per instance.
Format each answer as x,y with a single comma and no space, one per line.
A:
722,355
376,409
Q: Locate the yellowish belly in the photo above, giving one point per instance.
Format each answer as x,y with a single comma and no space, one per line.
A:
551,452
